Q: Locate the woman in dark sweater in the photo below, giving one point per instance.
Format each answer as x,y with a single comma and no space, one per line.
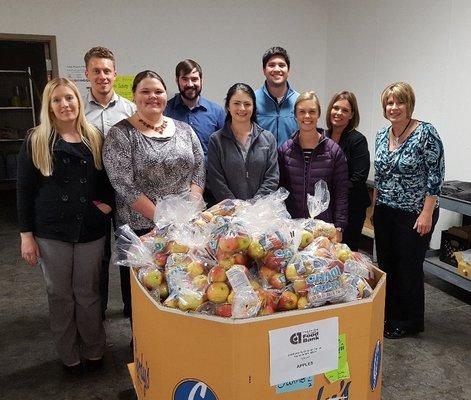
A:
342,118
63,198
309,156
242,158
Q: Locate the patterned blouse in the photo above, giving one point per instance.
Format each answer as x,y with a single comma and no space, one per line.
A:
156,167
406,175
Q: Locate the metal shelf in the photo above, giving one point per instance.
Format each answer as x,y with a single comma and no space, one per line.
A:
433,265
16,108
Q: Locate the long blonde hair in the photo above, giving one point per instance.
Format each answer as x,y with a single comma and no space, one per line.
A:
44,135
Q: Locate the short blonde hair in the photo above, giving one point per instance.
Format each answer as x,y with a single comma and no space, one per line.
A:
308,96
44,135
403,92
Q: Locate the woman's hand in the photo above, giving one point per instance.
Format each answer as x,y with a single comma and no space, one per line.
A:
338,237
104,208
29,248
423,224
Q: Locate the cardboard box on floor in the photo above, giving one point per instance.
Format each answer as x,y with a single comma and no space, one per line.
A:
180,356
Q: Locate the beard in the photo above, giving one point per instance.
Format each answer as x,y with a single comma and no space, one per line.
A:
190,94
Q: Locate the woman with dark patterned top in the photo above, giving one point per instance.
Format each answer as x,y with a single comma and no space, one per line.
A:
342,118
148,156
409,171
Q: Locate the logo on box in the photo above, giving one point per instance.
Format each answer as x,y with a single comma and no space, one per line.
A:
304,337
192,389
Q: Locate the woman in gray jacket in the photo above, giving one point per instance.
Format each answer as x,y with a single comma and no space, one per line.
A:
242,156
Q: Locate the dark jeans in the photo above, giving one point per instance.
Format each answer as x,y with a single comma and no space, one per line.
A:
356,219
125,275
401,252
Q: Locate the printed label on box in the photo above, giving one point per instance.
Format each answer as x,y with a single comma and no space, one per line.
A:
303,350
293,386
343,371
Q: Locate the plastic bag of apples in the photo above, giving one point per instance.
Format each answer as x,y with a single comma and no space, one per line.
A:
242,259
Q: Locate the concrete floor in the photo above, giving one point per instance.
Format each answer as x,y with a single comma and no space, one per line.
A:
435,365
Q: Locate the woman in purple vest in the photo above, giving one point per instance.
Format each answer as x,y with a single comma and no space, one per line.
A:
309,156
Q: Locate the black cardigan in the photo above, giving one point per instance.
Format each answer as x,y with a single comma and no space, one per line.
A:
355,148
61,206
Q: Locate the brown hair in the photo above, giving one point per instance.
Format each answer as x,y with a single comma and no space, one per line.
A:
99,52
146,74
186,66
403,92
350,97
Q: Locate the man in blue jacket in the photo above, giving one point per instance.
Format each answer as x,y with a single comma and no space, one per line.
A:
275,99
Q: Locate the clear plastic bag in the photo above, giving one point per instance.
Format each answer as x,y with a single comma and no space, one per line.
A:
131,251
318,203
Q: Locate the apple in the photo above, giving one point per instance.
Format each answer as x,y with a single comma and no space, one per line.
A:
306,239
277,281
228,244
217,274
291,272
171,302
174,247
160,259
227,262
240,258
254,284
300,286
288,301
200,282
152,279
267,310
195,268
207,216
344,254
163,289
243,242
189,300
217,292
266,273
230,298
273,261
255,250
224,310
303,302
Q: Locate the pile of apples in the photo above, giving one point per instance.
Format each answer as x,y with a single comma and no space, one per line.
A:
274,276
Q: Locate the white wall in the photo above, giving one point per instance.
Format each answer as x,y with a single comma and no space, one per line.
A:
226,38
371,43
361,45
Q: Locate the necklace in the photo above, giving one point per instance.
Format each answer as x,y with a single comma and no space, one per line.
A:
396,138
159,129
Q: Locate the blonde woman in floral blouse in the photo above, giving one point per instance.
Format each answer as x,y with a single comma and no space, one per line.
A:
148,156
409,165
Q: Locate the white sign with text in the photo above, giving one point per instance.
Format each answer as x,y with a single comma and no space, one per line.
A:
303,350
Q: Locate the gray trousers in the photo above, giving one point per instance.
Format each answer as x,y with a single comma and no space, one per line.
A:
72,274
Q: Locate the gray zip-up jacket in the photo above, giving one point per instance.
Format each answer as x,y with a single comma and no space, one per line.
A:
230,177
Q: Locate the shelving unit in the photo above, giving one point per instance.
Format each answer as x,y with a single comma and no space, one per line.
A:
17,116
433,264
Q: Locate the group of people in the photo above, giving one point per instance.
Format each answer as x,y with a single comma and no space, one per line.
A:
89,160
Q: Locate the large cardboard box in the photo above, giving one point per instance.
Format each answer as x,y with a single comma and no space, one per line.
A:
179,356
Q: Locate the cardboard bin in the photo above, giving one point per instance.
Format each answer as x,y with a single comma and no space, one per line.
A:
184,356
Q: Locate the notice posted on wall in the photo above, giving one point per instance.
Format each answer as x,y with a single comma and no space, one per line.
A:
303,350
76,73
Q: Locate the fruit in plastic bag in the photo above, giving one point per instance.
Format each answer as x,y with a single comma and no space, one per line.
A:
189,300
217,292
223,310
287,301
150,278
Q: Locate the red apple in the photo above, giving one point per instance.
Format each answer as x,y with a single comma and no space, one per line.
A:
217,274
288,301
228,244
240,258
224,310
267,310
273,262
266,273
277,281
160,259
